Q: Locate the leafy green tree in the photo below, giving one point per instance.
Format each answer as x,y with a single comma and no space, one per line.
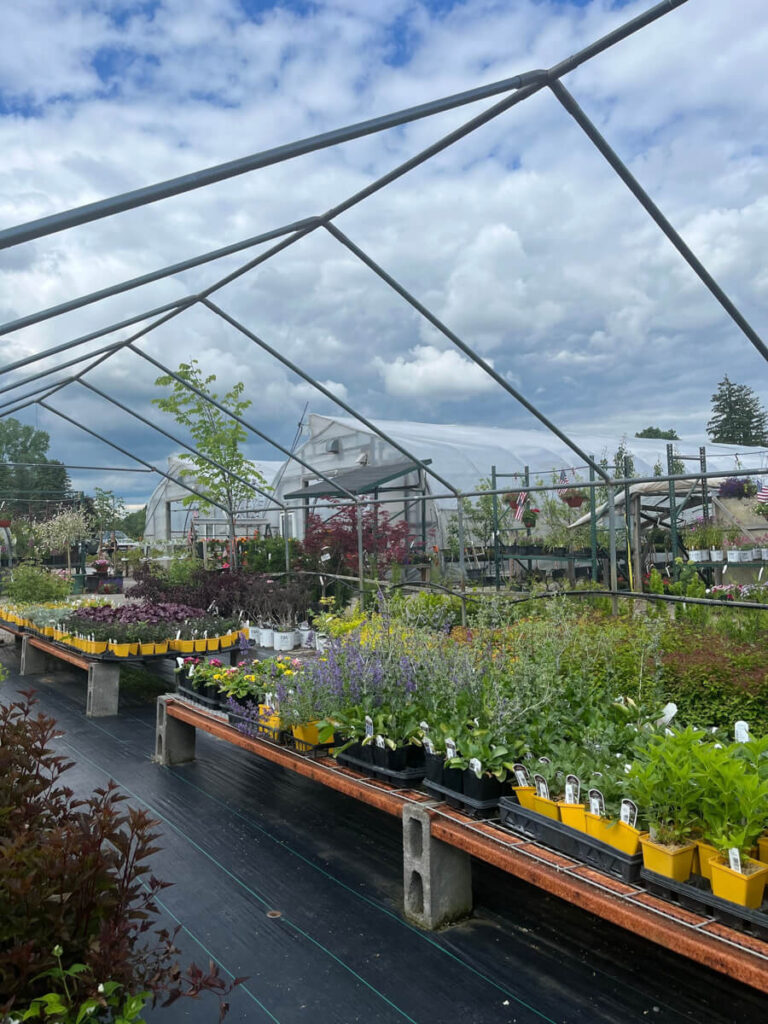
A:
61,532
108,510
216,436
737,415
657,432
134,523
28,478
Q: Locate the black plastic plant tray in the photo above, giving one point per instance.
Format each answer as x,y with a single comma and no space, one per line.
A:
462,802
407,778
249,727
310,749
697,895
209,703
569,841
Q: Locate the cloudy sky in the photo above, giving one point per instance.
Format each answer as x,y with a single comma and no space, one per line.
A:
519,237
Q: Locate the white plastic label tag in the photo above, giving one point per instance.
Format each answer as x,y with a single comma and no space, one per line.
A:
423,726
542,789
628,812
572,789
668,712
734,859
368,727
428,745
741,732
596,802
450,748
380,741
476,766
325,557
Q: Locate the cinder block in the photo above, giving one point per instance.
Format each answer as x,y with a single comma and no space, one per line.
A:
174,740
437,878
103,690
33,660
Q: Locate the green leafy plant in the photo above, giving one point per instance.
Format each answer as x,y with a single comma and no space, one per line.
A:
30,582
664,783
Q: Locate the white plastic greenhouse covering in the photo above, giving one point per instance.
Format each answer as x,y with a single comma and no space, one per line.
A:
168,491
464,455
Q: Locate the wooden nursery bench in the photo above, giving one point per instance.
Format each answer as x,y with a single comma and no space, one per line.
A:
439,842
103,677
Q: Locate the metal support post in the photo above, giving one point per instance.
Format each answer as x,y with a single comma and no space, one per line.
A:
462,569
360,567
672,504
612,548
628,521
437,878
174,740
593,522
704,488
636,541
496,551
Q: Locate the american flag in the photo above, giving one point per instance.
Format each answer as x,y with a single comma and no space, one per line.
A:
563,481
762,494
522,497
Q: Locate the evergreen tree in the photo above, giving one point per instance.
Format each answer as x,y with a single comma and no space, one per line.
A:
657,432
737,415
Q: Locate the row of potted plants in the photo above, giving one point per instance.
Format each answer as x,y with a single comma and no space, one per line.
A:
706,541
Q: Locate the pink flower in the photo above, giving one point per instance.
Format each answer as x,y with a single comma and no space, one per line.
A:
216,662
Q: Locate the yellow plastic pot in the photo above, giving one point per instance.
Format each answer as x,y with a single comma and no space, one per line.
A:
98,646
762,846
120,650
623,837
673,862
306,733
572,815
162,647
706,853
185,646
525,795
597,827
199,645
48,631
212,643
746,890
546,807
147,648
267,720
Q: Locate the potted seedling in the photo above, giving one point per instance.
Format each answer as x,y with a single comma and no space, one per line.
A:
663,782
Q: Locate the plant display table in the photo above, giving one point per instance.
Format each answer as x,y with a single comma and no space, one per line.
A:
439,842
103,677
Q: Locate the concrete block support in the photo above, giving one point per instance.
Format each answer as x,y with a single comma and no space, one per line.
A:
174,740
33,660
103,690
437,878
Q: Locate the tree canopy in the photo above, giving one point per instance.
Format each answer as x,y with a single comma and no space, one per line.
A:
737,415
30,482
657,432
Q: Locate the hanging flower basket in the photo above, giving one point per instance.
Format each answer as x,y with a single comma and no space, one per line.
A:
510,498
573,500
529,519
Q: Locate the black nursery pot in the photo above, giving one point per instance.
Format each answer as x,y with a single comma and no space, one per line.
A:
354,750
380,755
366,752
434,767
397,759
453,778
487,787
415,756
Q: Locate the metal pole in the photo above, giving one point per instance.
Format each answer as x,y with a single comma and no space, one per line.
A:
627,522
612,548
533,80
287,540
593,524
123,451
462,569
704,488
672,505
634,186
456,340
361,573
496,553
637,540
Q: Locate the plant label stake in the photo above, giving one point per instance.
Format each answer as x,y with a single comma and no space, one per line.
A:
380,741
628,812
668,712
476,767
368,727
450,749
521,774
734,859
596,803
572,789
741,732
424,726
542,789
428,745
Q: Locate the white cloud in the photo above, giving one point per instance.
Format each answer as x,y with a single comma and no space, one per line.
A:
430,373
